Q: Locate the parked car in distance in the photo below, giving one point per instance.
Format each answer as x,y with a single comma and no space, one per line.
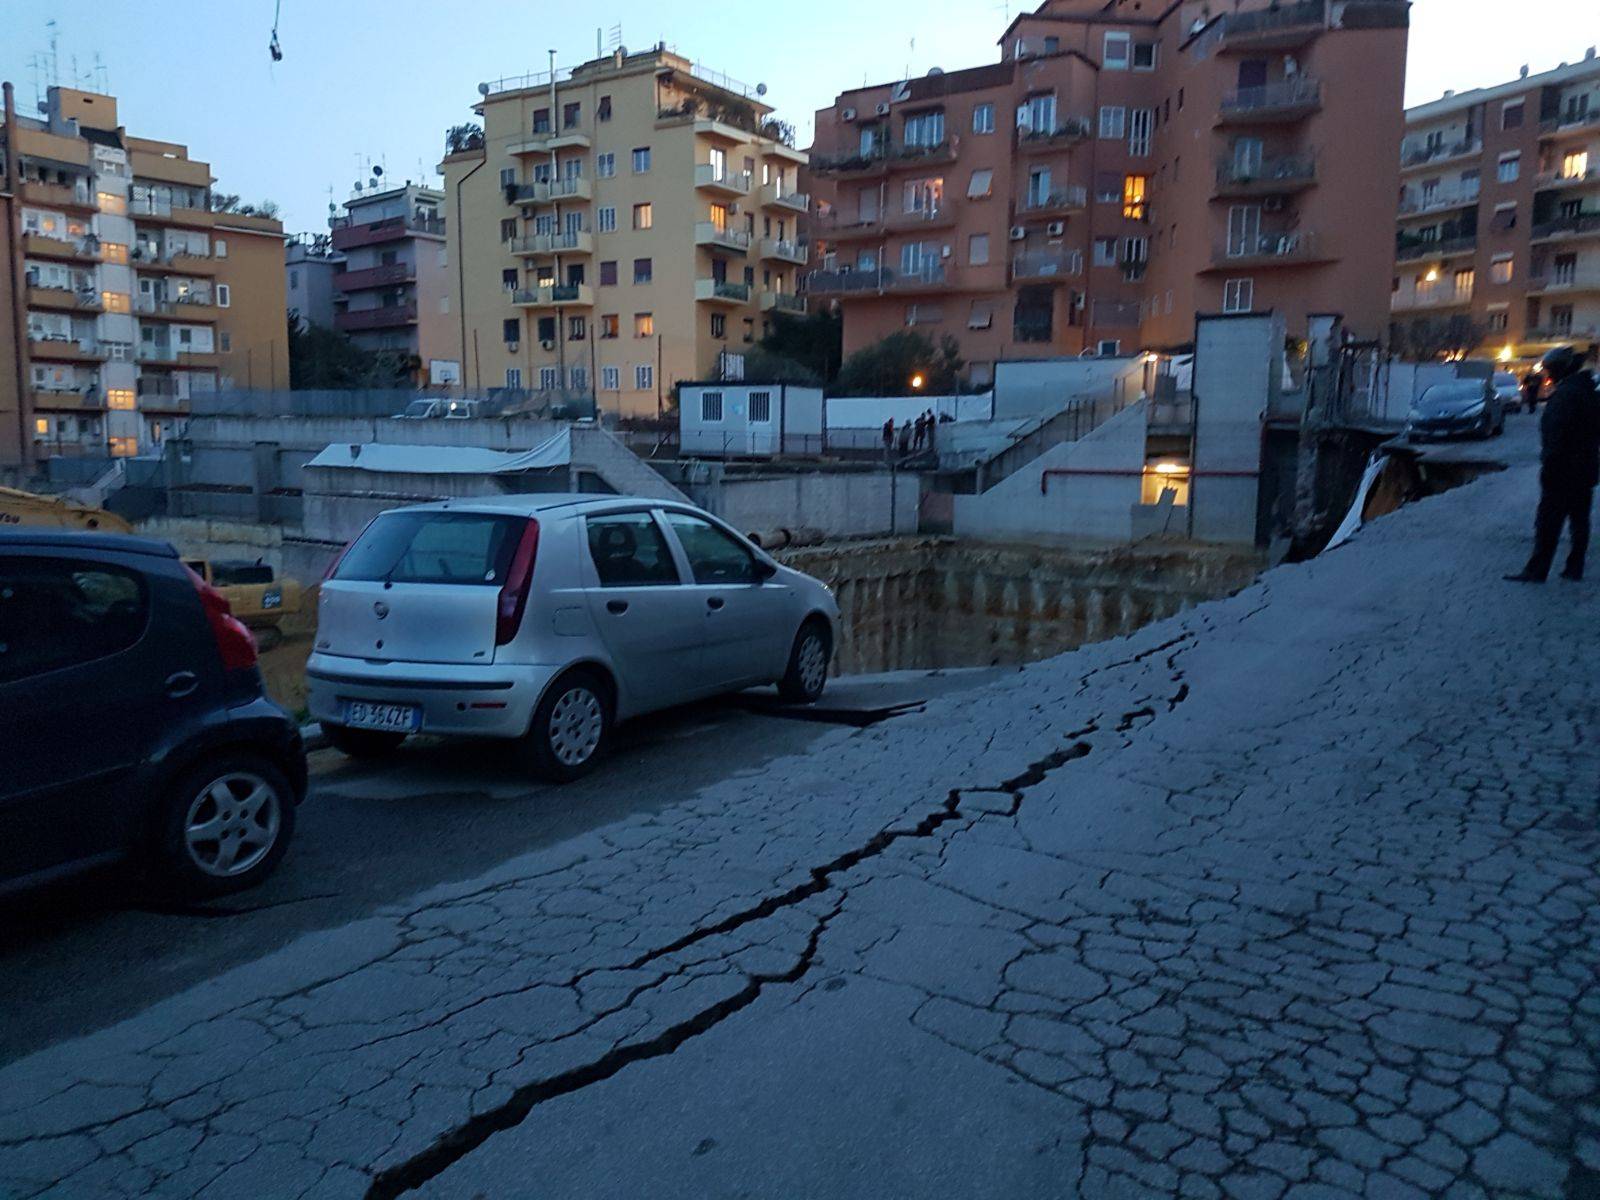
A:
1460,408
428,410
133,720
550,618
1508,387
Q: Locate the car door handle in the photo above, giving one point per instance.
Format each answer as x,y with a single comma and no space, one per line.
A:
617,606
715,602
181,684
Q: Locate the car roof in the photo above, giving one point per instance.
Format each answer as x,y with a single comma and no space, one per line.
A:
77,539
562,503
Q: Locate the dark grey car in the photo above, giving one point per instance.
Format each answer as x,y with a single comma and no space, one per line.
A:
1460,408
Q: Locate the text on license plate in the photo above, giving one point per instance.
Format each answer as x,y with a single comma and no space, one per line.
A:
272,599
396,718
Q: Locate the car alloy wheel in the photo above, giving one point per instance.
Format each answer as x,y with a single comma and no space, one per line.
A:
232,824
813,662
577,720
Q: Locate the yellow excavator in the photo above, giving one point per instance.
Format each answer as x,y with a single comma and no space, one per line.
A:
257,598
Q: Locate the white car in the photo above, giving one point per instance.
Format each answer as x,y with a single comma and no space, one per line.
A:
548,619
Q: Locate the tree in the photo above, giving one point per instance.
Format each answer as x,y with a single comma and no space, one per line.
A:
463,137
320,357
1432,338
813,343
891,367
763,366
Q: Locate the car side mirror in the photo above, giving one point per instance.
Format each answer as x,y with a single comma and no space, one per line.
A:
764,570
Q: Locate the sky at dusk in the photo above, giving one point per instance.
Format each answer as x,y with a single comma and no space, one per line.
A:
380,80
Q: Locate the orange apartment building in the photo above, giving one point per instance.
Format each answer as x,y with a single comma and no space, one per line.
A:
1124,166
1499,224
125,293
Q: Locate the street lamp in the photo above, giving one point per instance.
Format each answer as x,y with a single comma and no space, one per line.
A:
917,382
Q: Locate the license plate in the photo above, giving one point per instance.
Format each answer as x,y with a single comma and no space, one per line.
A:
392,718
272,599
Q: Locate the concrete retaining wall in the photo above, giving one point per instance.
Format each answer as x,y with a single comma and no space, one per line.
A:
839,503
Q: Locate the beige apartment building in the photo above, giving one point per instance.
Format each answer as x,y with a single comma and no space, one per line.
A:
624,226
126,293
1498,243
1123,167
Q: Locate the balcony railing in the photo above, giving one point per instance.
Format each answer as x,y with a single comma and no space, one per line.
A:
784,302
883,156
715,178
548,193
84,399
1067,199
1071,129
931,275
370,277
706,233
1266,24
387,317
1412,249
1582,224
1571,119
579,242
773,196
1571,280
1440,297
1268,249
346,235
1415,200
1038,264
64,347
784,251
553,295
82,298
1560,331
1282,173
45,245
545,140
1287,97
726,291
1563,179
193,306
1420,155
58,195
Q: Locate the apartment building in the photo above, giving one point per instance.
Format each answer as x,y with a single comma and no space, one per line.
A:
393,291
1498,242
1124,166
128,294
310,262
620,227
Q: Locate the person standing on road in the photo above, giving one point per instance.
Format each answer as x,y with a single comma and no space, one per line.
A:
1569,466
1530,390
888,438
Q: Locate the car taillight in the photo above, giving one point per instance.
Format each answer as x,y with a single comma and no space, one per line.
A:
235,643
519,580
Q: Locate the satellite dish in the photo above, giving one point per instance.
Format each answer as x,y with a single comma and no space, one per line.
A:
483,89
376,170
761,89
933,72
358,187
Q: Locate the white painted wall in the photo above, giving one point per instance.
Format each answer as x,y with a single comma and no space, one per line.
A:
870,412
1235,358
794,412
839,503
1033,387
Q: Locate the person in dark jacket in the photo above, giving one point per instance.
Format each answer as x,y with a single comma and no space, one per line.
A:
1569,434
1530,390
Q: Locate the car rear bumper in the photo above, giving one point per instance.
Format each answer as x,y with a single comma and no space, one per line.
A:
455,699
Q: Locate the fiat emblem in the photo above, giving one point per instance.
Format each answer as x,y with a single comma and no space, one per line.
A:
380,608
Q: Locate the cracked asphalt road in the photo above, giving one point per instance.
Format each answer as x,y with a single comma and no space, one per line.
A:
1289,896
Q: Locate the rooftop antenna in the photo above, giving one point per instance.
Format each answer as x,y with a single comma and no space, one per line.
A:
616,36
102,80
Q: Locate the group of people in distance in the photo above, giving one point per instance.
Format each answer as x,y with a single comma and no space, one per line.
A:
913,436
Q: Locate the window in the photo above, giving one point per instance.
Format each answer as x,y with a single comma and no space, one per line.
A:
644,377
711,407
1511,114
224,343
1113,121
113,252
644,325
294,278
508,176
643,216
609,325
1500,270
1105,252
714,556
1505,217
541,120
629,550
1464,280
925,129
608,273
1499,320
605,165
981,184
508,229
1560,319
605,218
642,270
1038,113
115,302
514,378
570,114
983,118
1510,167
719,325
760,408
219,248
56,613
641,159
603,109
978,249
982,315
1575,164
120,399
577,328
1107,187
925,196
1134,190
1140,121
549,379
1038,194
1117,49
224,296
511,329
1052,45
1238,295
1144,56
611,379
547,329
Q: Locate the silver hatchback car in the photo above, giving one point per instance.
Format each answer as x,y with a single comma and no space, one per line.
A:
548,619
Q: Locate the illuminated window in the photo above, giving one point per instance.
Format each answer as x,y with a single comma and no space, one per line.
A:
643,216
1575,165
115,302
124,447
113,252
1500,270
41,426
115,205
1135,188
120,399
644,325
1160,477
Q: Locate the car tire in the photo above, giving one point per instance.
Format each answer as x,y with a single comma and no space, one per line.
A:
361,743
571,727
807,674
244,800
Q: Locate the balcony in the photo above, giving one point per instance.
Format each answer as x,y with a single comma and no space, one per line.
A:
549,193
784,251
1555,180
164,405
1281,28
711,178
575,295
535,244
706,233
1281,176
548,140
1574,120
1563,331
1060,203
1578,225
882,159
83,299
149,208
81,249
941,217
783,302
1416,201
193,306
59,195
1043,141
346,236
1442,152
58,348
1430,301
389,316
1045,265
773,196
88,399
931,277
154,261
1271,103
383,275
1269,250
1410,249
722,291
155,355
1569,282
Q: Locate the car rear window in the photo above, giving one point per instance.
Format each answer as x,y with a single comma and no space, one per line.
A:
57,613
434,547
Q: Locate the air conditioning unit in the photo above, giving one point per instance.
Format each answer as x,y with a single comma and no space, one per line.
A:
546,344
848,114
512,346
883,108
1056,228
1272,204
1018,232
